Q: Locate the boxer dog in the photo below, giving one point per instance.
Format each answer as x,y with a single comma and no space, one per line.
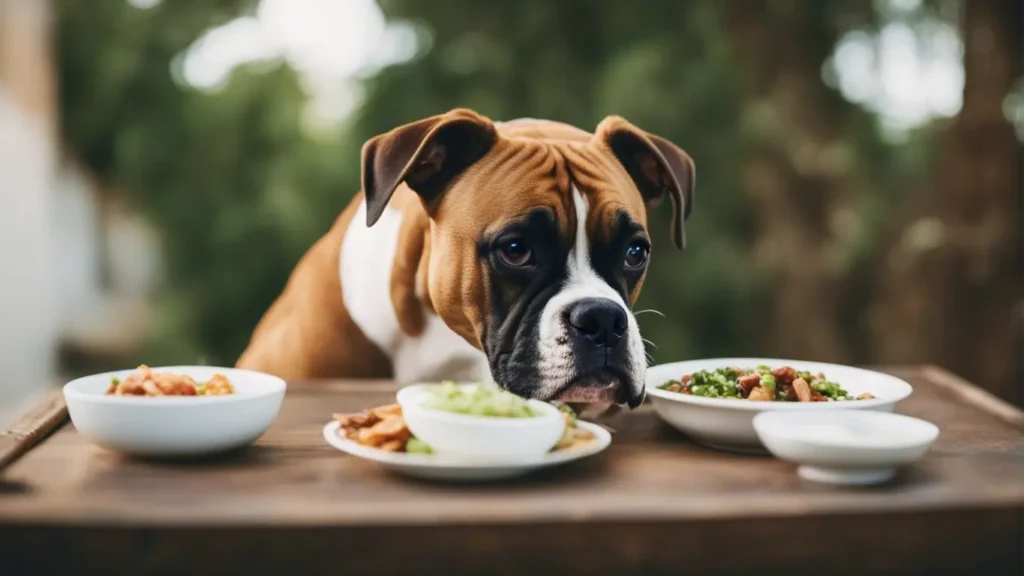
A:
503,251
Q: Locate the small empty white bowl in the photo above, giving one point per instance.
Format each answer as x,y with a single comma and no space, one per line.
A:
175,426
481,437
848,447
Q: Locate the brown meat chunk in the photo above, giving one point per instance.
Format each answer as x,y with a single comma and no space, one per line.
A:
748,383
784,374
361,420
787,393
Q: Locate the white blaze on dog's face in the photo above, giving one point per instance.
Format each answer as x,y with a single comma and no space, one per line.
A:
537,244
589,344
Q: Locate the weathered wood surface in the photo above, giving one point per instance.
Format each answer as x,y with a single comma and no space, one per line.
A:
32,427
652,503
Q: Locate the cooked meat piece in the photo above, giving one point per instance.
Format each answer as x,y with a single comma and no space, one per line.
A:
390,428
748,383
866,396
219,386
393,446
802,389
387,410
786,392
818,396
784,374
760,394
361,420
145,382
686,379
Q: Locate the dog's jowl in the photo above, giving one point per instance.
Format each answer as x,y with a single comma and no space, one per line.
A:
477,250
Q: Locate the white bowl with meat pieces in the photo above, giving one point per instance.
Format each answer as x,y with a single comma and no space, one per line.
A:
726,423
157,415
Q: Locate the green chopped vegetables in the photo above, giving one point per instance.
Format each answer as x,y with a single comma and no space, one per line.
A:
416,446
719,383
783,384
830,390
478,401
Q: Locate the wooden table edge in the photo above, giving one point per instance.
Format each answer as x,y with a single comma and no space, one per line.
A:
973,395
32,427
12,518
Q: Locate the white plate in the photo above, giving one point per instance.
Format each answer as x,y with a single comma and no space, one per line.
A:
438,467
851,447
175,426
727,424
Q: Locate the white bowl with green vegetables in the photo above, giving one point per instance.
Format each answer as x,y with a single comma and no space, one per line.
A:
706,400
480,422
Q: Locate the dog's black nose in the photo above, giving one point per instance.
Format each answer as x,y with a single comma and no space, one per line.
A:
598,320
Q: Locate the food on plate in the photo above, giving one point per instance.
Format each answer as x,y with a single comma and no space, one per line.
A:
574,436
381,427
145,382
384,428
478,400
764,384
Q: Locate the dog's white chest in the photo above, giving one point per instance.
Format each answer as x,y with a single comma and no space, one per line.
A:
367,255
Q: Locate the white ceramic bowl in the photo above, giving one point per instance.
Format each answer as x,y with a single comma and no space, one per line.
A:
481,437
850,447
727,424
175,426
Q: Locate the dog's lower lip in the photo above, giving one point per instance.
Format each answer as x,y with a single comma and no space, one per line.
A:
600,387
589,394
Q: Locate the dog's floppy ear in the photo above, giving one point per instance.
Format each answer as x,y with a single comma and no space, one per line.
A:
656,166
426,155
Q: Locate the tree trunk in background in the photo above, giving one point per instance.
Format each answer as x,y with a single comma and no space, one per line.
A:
800,175
951,292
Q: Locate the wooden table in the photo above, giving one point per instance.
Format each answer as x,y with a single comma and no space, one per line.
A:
653,503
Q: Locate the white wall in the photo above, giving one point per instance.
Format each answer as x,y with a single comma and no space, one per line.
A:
28,315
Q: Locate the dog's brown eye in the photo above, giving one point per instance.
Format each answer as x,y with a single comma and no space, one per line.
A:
515,253
636,255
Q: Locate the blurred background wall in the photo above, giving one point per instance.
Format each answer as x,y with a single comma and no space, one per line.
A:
28,146
163,165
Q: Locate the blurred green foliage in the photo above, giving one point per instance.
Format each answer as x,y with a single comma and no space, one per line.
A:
239,190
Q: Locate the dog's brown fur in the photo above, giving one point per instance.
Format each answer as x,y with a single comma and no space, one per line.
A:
308,332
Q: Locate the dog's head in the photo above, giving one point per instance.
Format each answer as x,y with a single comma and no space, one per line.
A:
538,241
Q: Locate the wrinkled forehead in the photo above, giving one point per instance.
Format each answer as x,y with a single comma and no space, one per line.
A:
521,177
